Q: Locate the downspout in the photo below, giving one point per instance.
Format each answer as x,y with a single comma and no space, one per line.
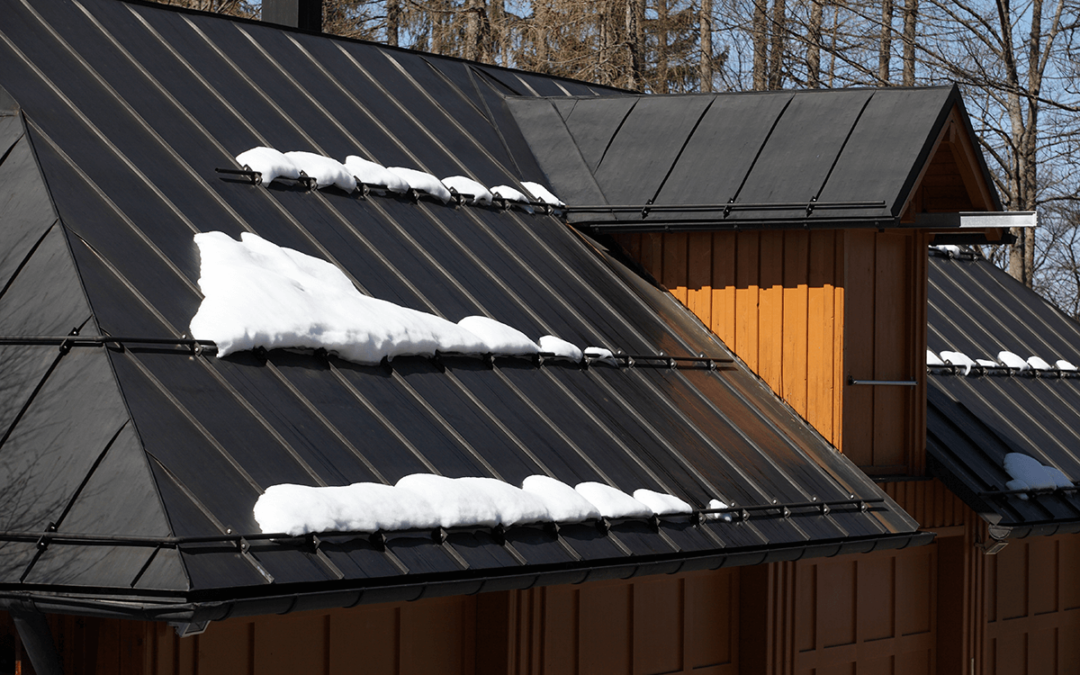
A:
36,637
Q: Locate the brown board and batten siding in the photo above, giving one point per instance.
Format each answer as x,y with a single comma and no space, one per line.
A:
807,310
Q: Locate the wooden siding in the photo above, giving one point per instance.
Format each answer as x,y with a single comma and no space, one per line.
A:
930,503
1032,607
871,614
679,623
806,310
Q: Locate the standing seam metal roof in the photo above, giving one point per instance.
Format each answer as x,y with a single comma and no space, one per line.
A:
134,466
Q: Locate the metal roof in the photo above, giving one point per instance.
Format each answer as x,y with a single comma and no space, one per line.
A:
973,421
133,457
785,158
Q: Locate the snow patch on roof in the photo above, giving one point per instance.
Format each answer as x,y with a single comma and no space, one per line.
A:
661,503
258,294
324,170
932,359
424,182
564,503
271,164
1012,360
467,186
560,349
541,193
611,502
1038,363
601,355
1062,364
499,338
376,175
959,360
1030,474
427,501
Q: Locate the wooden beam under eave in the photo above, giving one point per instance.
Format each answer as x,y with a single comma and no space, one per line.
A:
955,139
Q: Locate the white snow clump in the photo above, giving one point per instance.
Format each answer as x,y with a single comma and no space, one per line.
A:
564,503
258,294
1038,363
427,501
467,186
375,175
509,194
324,170
959,360
662,504
1061,364
271,164
499,338
717,504
986,363
951,249
422,181
932,359
1029,474
361,507
560,349
1012,360
541,193
602,355
611,502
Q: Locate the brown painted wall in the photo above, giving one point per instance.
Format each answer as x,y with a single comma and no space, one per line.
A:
808,310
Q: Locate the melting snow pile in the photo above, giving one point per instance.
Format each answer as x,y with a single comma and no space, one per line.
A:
1029,474
959,360
426,501
258,294
270,164
1061,364
541,193
1012,360
560,349
932,359
467,186
601,355
324,170
376,175
1038,363
423,182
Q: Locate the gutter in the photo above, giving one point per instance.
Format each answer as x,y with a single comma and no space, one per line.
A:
218,606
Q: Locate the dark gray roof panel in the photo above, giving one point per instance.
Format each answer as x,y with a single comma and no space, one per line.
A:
855,153
881,159
727,140
140,105
975,420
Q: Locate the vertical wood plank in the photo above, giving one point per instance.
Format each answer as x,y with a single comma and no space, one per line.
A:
226,647
657,625
605,628
820,336
840,337
561,634
699,272
675,277
652,254
794,370
723,287
434,637
367,635
858,401
892,347
771,311
747,293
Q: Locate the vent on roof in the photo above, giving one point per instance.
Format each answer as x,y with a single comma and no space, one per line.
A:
303,14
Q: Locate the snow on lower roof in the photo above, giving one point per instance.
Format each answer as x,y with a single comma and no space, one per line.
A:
258,294
427,501
269,163
1029,473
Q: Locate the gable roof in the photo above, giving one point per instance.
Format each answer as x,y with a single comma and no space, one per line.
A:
783,158
140,455
973,421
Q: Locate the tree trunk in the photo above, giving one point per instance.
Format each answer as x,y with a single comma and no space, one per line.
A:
393,22
813,45
761,45
885,51
911,15
776,45
705,42
635,75
662,46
